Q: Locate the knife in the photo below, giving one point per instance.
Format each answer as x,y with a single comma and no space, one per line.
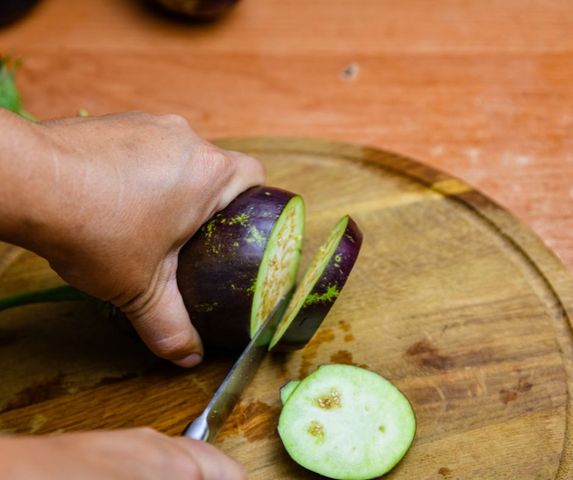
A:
206,426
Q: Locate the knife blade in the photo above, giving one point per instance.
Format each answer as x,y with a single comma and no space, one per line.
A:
206,426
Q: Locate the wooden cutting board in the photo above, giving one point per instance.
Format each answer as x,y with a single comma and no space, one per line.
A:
452,299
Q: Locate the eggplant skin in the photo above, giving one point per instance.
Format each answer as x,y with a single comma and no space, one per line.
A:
12,10
218,266
198,9
324,293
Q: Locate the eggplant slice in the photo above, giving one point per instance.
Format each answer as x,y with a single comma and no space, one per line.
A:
346,422
319,288
287,389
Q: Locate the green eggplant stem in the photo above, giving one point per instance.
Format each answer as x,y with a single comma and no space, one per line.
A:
57,294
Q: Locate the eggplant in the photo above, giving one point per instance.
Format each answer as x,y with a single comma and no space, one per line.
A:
241,263
320,287
226,277
346,422
198,9
287,389
12,10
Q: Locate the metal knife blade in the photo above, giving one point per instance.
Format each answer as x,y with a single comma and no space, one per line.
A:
207,425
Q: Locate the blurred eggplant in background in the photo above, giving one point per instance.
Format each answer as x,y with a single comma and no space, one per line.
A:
197,9
12,10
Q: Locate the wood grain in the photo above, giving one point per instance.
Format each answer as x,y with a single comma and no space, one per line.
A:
452,299
482,89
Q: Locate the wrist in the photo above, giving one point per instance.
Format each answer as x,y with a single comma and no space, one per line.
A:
31,167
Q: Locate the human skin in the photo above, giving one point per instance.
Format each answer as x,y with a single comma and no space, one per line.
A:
109,201
141,454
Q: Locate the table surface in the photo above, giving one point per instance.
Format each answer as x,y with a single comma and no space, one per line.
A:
480,89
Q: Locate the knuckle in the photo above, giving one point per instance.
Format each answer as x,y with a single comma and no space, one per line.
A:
217,163
249,168
138,115
146,431
259,170
174,119
241,473
223,165
185,467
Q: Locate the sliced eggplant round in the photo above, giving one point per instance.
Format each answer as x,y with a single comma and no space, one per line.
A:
319,287
240,264
287,389
346,422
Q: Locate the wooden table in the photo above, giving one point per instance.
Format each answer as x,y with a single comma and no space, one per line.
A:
480,89
483,90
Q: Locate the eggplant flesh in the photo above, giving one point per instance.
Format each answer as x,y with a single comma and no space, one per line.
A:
346,422
279,266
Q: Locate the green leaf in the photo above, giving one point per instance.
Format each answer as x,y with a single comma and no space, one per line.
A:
10,98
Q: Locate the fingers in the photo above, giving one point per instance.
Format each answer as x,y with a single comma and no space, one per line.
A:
213,464
120,454
248,173
165,327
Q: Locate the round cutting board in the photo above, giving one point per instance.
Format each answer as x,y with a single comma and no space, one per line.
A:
452,299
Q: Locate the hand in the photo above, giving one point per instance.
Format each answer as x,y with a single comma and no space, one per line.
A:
113,200
118,455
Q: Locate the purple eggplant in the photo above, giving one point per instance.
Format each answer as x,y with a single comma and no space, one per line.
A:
12,10
320,287
198,9
240,264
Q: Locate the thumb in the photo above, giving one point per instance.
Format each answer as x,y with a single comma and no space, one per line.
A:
165,327
213,464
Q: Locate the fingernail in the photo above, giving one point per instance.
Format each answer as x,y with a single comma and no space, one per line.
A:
189,361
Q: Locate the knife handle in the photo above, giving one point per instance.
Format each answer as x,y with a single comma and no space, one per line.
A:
198,429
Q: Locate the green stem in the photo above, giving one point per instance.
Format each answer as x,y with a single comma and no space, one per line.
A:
57,294
27,116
